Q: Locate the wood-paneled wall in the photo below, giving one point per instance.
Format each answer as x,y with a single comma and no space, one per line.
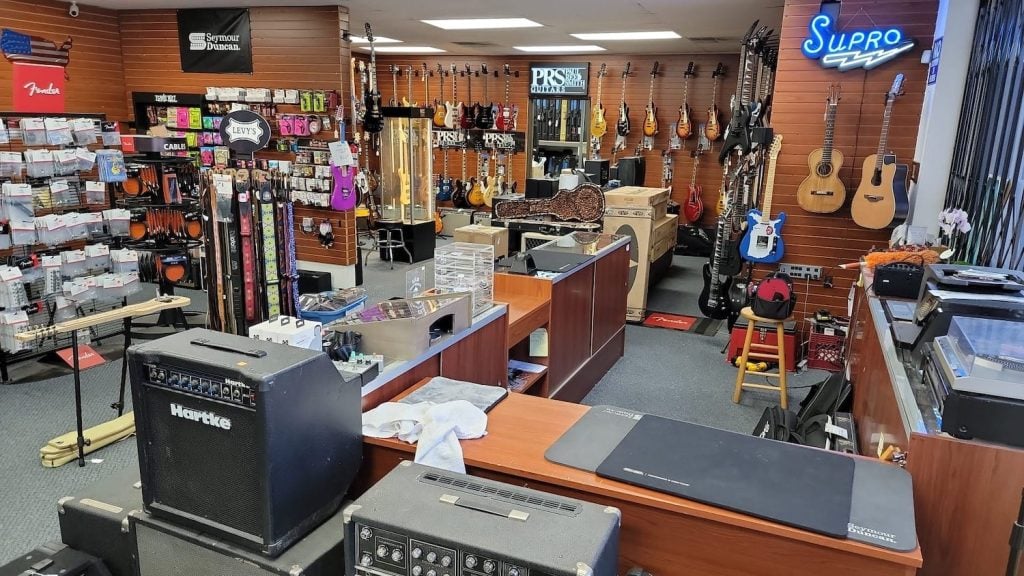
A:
292,47
95,73
668,96
801,86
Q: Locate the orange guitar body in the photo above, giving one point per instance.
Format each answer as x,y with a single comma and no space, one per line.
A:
713,129
684,128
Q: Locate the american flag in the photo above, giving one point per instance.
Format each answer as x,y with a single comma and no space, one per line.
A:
18,47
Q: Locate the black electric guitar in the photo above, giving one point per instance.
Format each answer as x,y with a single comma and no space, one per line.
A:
714,297
373,119
737,134
484,119
622,126
467,119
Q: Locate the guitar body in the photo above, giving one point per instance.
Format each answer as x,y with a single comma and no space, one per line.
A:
485,117
732,261
598,123
441,112
714,306
373,119
874,203
450,110
738,135
763,241
467,116
343,195
497,187
444,189
438,222
684,128
713,128
622,126
476,194
694,207
900,193
651,121
503,119
459,194
822,192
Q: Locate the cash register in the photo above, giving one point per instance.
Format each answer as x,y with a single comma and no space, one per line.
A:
976,373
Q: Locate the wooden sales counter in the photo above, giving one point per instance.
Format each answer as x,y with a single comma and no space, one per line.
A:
667,535
966,493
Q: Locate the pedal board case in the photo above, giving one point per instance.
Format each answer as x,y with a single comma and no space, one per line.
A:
96,520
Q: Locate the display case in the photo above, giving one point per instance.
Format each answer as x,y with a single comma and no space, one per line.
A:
406,162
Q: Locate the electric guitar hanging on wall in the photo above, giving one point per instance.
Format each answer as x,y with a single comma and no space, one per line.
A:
484,119
881,197
693,209
453,108
737,136
444,182
713,127
507,113
622,126
713,300
822,191
467,116
462,187
684,126
598,123
343,195
441,108
651,114
373,119
763,241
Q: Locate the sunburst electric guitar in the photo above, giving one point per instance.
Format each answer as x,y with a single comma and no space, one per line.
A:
651,113
713,127
684,126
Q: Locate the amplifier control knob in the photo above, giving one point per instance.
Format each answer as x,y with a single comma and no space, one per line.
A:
365,533
488,566
173,380
470,561
382,551
417,552
513,571
431,557
417,570
396,555
431,573
446,561
366,560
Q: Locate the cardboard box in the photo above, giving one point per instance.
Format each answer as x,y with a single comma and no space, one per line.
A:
636,196
642,231
655,212
665,230
479,234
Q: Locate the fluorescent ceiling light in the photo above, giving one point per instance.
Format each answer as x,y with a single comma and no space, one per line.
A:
561,48
376,40
482,23
663,35
405,49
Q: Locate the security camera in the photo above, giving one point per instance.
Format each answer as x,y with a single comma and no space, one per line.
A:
73,10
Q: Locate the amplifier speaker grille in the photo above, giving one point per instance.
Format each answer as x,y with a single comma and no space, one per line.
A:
162,554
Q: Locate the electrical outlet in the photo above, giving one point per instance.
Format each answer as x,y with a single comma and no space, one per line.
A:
801,271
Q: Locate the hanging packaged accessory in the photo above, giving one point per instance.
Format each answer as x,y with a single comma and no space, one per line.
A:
773,297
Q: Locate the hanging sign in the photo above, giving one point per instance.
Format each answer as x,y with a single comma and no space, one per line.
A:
37,87
245,131
849,50
559,78
215,40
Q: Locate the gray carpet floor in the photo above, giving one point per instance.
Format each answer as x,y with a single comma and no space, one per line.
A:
665,372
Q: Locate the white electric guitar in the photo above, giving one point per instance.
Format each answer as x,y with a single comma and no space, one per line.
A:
763,240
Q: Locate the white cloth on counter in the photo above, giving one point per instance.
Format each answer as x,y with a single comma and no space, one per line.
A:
435,429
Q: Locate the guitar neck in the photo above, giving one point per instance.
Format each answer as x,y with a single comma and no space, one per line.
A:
769,187
830,128
884,138
746,80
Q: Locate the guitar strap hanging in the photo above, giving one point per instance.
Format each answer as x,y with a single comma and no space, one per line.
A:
269,243
248,265
293,266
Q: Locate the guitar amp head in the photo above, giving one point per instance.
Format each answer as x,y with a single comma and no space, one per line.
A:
531,240
898,279
467,526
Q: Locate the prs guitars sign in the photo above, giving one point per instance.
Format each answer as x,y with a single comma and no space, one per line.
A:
559,78
853,49
245,132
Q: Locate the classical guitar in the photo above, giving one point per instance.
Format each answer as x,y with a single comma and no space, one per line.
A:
373,119
343,194
475,197
484,118
713,127
441,108
822,191
444,182
622,126
462,186
882,180
467,116
505,119
763,240
598,123
651,111
584,203
684,126
453,108
693,209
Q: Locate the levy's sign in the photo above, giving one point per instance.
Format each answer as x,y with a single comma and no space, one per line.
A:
852,49
245,132
559,78
38,87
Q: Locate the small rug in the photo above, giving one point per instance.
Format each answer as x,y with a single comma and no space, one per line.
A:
702,326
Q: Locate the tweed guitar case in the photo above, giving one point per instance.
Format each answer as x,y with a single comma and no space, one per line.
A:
584,203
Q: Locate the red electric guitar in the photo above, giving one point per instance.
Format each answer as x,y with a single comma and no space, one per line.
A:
694,207
344,196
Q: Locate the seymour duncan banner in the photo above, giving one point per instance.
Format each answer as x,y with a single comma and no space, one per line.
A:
215,40
559,78
37,87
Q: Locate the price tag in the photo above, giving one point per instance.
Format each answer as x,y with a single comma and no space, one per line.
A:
341,154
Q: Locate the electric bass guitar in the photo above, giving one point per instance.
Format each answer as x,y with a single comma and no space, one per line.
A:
651,115
822,191
763,240
881,197
440,106
713,127
373,118
343,195
684,126
598,123
694,207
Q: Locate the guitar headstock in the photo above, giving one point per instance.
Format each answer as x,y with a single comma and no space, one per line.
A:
369,33
834,94
395,70
773,152
719,71
750,31
426,72
602,72
454,68
440,70
654,69
897,88
469,70
483,69
625,71
690,70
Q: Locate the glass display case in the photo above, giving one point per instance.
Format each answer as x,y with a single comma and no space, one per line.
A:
406,162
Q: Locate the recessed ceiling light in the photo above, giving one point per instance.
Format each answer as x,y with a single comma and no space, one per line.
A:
561,48
405,49
664,35
376,40
482,23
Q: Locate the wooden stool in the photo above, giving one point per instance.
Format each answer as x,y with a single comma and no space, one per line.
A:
762,352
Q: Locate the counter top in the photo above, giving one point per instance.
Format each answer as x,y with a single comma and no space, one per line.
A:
904,388
594,244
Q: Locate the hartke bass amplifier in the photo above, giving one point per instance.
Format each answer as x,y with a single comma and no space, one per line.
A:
253,441
468,526
166,549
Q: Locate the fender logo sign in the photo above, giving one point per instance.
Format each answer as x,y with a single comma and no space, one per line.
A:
865,49
38,87
50,90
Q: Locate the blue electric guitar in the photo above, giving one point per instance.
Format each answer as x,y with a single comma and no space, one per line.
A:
763,240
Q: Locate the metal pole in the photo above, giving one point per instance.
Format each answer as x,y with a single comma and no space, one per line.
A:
78,399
